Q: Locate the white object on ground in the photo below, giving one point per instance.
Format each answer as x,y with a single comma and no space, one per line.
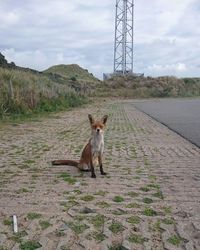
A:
15,228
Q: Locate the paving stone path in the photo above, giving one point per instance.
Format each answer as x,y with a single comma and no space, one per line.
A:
150,198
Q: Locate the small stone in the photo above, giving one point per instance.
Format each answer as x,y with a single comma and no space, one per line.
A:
77,184
87,210
64,227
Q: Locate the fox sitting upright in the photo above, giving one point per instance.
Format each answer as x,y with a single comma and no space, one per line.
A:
92,152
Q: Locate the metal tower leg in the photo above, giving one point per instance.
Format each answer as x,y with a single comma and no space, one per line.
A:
123,48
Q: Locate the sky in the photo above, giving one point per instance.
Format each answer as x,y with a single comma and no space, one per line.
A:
39,34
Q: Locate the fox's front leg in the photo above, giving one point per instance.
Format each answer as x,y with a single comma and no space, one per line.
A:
101,165
93,175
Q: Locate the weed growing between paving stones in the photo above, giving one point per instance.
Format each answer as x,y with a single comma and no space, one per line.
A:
156,227
149,212
44,224
175,240
66,177
119,212
153,185
137,239
116,227
147,200
30,245
101,193
167,210
77,191
133,194
68,205
152,178
103,204
118,199
18,236
87,198
133,205
117,247
133,220
22,190
77,227
159,195
7,221
98,220
33,216
145,189
98,236
168,221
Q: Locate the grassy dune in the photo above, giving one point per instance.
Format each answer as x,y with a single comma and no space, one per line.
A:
24,93
145,87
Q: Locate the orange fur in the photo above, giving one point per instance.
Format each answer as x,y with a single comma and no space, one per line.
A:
92,152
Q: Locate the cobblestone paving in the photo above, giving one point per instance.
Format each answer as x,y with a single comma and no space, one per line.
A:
150,198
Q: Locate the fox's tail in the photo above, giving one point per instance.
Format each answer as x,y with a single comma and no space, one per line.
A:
65,162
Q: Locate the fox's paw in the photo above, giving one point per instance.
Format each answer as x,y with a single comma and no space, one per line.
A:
93,176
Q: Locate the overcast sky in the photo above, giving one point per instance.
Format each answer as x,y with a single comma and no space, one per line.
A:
39,34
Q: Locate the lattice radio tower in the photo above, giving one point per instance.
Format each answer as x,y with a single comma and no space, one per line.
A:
123,51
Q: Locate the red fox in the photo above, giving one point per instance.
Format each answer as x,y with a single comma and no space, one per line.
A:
92,152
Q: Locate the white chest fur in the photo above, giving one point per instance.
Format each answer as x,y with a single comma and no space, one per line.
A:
97,143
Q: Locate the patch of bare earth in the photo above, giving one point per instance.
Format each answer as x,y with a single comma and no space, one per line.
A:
150,198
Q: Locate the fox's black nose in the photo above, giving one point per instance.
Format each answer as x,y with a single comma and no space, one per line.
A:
98,130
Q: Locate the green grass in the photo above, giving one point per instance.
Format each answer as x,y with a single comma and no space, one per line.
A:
175,240
149,212
133,205
101,193
145,189
133,220
118,199
103,204
87,198
117,247
133,194
116,227
44,224
147,200
168,221
33,216
119,212
167,210
30,245
77,227
159,195
22,190
98,236
137,239
7,222
98,220
66,177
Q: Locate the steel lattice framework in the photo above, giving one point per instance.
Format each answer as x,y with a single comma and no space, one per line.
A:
123,51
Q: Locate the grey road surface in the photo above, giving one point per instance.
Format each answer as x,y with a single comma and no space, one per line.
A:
180,115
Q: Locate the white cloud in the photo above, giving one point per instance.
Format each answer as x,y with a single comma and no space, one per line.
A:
176,69
39,34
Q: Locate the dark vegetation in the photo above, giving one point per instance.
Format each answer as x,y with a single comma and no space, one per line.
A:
25,92
145,87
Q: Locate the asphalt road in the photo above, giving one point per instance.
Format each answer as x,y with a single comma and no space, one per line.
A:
180,115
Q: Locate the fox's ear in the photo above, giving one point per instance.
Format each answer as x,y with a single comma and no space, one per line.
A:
91,119
104,119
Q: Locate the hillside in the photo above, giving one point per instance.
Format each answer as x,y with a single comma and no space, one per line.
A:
73,72
24,91
145,87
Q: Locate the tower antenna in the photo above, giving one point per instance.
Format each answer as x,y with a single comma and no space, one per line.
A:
123,48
